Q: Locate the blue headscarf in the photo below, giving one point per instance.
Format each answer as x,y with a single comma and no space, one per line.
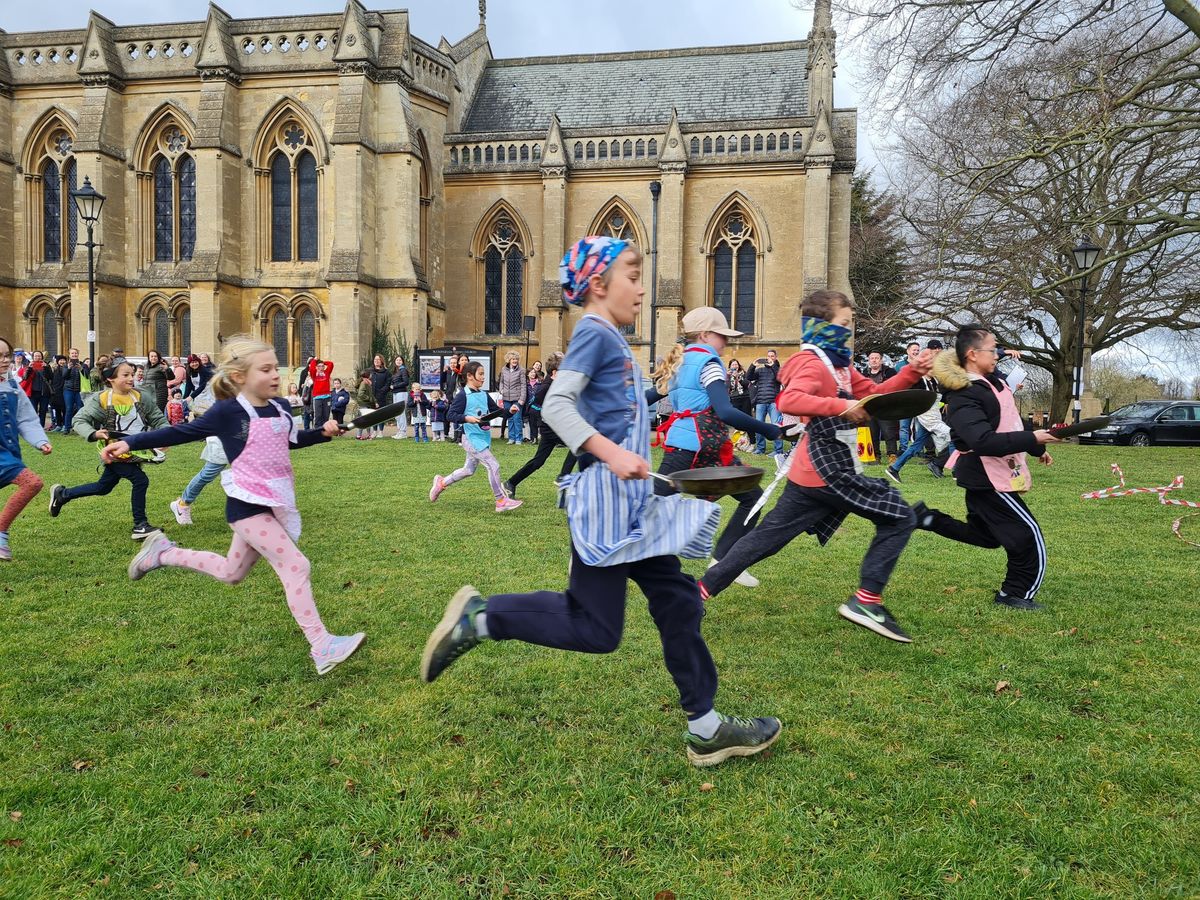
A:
835,340
587,257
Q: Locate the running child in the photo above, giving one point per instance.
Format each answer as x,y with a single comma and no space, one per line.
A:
991,465
825,483
696,435
257,431
471,403
108,414
620,530
547,442
213,457
18,418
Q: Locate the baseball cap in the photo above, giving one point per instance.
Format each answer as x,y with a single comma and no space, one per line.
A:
708,318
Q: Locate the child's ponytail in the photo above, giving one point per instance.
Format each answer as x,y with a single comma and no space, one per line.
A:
235,359
662,379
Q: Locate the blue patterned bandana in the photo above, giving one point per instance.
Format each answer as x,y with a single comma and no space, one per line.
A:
587,257
836,341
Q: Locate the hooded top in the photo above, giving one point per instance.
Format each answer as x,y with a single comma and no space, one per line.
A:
974,415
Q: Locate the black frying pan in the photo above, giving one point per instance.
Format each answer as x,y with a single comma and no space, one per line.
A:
717,481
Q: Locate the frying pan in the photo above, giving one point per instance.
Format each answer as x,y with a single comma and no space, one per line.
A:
897,404
375,416
717,481
1085,427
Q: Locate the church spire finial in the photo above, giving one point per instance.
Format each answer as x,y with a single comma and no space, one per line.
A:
823,14
482,13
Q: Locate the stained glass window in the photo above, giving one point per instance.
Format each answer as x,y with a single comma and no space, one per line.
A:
51,213
279,336
49,331
281,209
187,207
514,292
162,331
747,269
735,270
493,278
723,279
306,187
307,327
164,211
71,212
185,331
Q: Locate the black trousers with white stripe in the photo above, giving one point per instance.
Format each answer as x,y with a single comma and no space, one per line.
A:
996,519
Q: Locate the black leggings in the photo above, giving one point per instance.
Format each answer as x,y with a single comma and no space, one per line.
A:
109,478
547,445
681,460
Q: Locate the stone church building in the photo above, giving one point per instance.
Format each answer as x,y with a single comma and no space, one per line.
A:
305,177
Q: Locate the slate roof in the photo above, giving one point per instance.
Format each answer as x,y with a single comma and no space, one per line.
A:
709,84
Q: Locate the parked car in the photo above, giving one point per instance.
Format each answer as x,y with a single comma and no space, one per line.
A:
1150,422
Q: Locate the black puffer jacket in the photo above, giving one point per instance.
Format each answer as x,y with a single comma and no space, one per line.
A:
973,413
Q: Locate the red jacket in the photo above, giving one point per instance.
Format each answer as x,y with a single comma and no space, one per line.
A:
320,376
809,390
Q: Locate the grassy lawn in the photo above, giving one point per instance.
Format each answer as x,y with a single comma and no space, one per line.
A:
171,736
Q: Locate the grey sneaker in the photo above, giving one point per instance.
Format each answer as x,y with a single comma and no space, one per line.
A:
874,616
735,737
149,557
454,635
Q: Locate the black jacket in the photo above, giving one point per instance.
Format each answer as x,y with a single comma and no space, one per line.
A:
973,413
458,409
71,376
401,382
764,382
381,386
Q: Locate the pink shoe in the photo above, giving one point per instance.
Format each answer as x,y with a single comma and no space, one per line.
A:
507,503
149,557
439,485
182,511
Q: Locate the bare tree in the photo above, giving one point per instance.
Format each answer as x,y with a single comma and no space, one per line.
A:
1092,134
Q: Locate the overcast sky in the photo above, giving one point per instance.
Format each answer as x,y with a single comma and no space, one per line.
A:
515,27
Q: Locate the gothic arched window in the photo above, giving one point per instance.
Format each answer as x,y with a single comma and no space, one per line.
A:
294,194
503,278
278,335
735,269
306,333
615,221
183,330
172,177
60,222
162,330
49,331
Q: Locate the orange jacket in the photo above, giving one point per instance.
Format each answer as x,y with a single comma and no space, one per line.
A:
809,390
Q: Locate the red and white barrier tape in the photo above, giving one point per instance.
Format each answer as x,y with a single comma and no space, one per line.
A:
1119,490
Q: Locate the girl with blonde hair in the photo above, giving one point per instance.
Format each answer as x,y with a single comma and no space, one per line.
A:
257,431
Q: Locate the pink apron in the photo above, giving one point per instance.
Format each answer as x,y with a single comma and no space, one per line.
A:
1008,474
262,472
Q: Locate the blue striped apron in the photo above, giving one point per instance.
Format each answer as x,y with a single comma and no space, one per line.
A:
613,522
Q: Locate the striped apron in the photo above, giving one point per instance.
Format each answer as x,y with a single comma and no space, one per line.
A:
613,522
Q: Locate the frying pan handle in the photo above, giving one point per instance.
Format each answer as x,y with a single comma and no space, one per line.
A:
662,478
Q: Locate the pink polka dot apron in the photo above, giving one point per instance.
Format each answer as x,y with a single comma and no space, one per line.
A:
262,473
1008,474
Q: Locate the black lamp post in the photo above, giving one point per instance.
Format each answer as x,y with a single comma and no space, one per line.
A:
1086,255
88,202
655,190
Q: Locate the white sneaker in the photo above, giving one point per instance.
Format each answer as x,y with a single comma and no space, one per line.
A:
397,436
745,579
182,511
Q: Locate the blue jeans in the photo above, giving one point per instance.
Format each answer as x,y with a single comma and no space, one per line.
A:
516,431
766,412
203,479
72,403
915,446
904,432
420,433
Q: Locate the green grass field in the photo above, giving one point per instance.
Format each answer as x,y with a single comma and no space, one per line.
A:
170,737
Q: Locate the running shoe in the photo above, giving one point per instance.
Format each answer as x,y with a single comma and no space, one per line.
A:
182,511
874,616
454,635
149,557
336,649
736,736
439,485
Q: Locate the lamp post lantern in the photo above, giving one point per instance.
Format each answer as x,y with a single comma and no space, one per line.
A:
1085,255
88,202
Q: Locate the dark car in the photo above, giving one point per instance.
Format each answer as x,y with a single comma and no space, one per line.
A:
1151,422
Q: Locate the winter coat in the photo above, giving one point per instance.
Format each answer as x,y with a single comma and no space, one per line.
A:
973,412
381,386
764,382
513,385
95,416
154,383
401,382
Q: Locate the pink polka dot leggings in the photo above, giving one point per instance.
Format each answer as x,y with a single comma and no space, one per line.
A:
263,536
